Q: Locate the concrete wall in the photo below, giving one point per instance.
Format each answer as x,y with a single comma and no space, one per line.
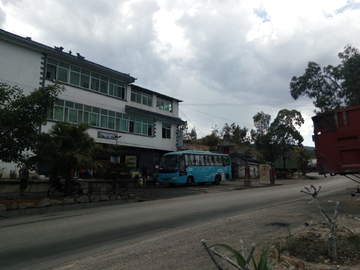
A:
20,66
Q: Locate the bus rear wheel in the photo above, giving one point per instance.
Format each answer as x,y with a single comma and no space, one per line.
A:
189,181
217,180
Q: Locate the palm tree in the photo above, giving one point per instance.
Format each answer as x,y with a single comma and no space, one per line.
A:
69,147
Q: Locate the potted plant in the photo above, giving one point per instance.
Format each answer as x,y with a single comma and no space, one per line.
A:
13,174
1,172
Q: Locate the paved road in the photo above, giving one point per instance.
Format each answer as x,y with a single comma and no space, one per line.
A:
44,241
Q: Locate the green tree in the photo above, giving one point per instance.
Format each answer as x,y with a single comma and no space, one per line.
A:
193,135
277,139
331,87
20,118
285,133
68,147
236,133
302,158
262,122
263,138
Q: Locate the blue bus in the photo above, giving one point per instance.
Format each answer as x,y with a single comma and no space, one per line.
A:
188,167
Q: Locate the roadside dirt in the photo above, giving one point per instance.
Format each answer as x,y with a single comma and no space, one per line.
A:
297,230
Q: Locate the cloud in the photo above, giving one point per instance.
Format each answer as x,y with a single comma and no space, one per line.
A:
227,60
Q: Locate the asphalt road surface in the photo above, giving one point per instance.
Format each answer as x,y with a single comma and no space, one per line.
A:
40,242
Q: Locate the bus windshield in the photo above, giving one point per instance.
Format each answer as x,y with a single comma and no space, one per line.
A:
169,164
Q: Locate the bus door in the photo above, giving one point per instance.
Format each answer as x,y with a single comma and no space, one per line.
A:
182,168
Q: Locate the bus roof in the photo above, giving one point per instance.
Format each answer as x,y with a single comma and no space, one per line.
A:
195,153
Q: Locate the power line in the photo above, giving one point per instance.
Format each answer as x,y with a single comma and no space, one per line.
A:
191,122
218,117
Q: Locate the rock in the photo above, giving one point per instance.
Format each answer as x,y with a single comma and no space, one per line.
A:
118,197
83,199
94,198
44,202
56,202
3,207
104,198
25,205
13,206
68,200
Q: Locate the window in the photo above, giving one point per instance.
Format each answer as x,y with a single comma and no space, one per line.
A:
104,84
62,75
59,113
116,89
51,72
150,130
124,125
141,97
131,127
164,104
73,116
166,131
75,75
95,82
80,77
147,99
136,96
79,113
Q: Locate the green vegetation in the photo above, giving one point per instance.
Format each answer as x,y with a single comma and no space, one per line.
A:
302,157
68,147
356,238
276,140
20,119
241,263
331,87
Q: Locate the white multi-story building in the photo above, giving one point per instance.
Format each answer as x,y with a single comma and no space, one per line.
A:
143,121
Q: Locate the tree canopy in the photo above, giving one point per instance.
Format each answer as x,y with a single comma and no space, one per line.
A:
332,87
20,118
236,133
68,147
278,138
302,157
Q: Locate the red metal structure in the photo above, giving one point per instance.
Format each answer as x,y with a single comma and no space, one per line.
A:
337,141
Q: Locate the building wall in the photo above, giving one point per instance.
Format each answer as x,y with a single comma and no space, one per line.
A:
24,66
20,66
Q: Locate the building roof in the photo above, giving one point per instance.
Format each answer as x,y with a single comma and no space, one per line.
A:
149,114
136,87
243,157
65,56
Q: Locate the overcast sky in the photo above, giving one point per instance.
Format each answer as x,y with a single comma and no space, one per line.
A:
225,59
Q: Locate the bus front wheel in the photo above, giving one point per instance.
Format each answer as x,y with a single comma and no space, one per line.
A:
189,181
217,180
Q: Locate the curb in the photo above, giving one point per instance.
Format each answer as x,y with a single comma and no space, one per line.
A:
59,208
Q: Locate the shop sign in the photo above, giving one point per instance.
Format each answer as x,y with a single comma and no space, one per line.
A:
130,161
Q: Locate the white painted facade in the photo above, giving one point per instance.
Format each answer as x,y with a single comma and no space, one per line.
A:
28,65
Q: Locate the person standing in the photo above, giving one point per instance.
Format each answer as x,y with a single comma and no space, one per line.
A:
144,173
24,178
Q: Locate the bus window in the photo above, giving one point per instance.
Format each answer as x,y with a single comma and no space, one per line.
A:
212,160
198,160
217,161
182,167
169,163
226,161
187,160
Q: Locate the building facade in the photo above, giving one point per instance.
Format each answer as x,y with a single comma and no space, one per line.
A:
144,122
